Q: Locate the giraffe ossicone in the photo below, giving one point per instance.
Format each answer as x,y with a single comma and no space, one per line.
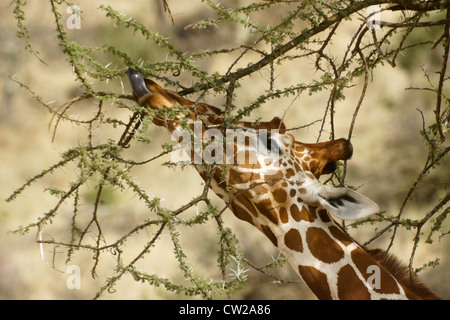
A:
273,184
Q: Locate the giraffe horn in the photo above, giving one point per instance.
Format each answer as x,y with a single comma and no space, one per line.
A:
137,83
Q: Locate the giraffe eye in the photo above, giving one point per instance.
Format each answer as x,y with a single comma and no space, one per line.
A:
270,144
273,146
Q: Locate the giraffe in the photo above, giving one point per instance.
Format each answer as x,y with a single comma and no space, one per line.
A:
280,194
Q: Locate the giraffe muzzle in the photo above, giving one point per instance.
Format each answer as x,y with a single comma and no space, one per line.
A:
137,83
340,149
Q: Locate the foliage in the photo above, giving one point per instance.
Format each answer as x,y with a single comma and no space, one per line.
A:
305,30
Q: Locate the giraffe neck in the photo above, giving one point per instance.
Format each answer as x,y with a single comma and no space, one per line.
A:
334,266
330,262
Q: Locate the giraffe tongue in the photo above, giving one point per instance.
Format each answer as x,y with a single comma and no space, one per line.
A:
137,83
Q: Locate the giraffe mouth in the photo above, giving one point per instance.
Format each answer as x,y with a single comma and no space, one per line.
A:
329,167
137,83
327,154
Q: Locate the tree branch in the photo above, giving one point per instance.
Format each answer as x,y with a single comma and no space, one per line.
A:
308,33
420,5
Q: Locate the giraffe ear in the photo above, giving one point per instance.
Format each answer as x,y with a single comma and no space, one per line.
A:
346,204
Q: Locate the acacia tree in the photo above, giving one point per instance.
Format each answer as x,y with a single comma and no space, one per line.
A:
305,30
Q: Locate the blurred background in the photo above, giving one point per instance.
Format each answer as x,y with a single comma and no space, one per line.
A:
389,152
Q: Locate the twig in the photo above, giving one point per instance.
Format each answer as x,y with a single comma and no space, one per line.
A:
414,24
304,126
277,279
361,97
121,272
437,111
167,9
283,49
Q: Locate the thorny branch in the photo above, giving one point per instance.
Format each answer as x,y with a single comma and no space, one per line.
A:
106,164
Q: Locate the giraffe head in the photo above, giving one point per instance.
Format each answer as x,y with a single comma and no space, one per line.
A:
268,169
287,171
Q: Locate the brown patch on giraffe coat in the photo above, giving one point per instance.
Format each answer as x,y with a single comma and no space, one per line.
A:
284,215
289,173
310,175
273,178
340,235
247,204
349,286
323,215
316,281
292,193
269,234
293,240
260,189
305,166
219,177
295,212
298,214
265,208
203,175
312,212
322,246
241,213
237,177
363,261
306,215
413,288
280,195
313,164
